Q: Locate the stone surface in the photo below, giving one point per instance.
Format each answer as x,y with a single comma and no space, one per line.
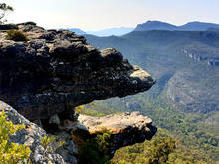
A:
126,128
8,27
30,136
57,70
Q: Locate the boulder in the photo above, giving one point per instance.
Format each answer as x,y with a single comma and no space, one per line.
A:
125,128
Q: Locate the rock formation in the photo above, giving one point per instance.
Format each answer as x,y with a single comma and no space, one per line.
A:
125,128
30,136
57,70
44,78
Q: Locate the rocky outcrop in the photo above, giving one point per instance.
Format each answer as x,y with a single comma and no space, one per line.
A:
57,70
54,71
30,136
125,128
8,27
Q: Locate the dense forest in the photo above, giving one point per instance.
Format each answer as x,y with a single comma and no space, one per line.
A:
184,101
192,138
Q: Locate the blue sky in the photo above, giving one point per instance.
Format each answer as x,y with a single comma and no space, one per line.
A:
101,14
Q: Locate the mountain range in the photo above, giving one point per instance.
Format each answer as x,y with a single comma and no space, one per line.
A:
185,64
191,26
149,25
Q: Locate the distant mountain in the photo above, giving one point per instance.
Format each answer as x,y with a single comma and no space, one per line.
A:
155,25
77,31
184,63
191,26
198,26
214,29
111,31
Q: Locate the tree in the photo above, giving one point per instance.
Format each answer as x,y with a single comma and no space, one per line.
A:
11,153
4,8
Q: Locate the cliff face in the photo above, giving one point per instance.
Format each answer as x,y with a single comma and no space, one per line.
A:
57,70
126,129
44,78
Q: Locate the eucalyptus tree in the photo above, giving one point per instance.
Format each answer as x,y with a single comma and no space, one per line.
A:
4,8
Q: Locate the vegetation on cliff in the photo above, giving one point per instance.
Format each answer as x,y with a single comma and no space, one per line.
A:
159,150
96,150
191,133
11,152
16,35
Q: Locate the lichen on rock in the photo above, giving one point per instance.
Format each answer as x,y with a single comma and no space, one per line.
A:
44,78
57,70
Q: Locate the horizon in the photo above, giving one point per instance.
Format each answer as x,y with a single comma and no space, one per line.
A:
100,15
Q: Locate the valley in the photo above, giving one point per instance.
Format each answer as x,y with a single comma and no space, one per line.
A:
185,99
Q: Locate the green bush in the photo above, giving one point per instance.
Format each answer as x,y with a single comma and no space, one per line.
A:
159,150
11,153
96,150
16,35
51,144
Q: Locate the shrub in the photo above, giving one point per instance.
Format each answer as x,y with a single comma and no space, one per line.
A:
158,151
96,150
16,35
11,152
51,144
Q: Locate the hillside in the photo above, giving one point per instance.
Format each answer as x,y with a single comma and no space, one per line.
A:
185,99
183,63
155,25
191,26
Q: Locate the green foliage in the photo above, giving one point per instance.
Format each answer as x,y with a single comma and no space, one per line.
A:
50,144
160,53
157,151
189,129
10,152
96,150
103,142
195,131
16,35
94,109
4,8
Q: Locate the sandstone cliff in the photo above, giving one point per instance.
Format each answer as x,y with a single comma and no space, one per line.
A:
55,71
58,70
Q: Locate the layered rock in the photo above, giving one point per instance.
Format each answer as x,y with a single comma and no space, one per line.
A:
125,128
46,77
57,70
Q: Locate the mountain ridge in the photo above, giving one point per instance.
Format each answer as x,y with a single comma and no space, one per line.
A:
190,26
174,54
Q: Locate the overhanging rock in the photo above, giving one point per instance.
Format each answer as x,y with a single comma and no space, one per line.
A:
57,70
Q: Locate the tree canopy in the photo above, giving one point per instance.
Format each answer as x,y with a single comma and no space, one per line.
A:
4,8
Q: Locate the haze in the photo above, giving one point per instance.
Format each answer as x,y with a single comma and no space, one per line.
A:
101,14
